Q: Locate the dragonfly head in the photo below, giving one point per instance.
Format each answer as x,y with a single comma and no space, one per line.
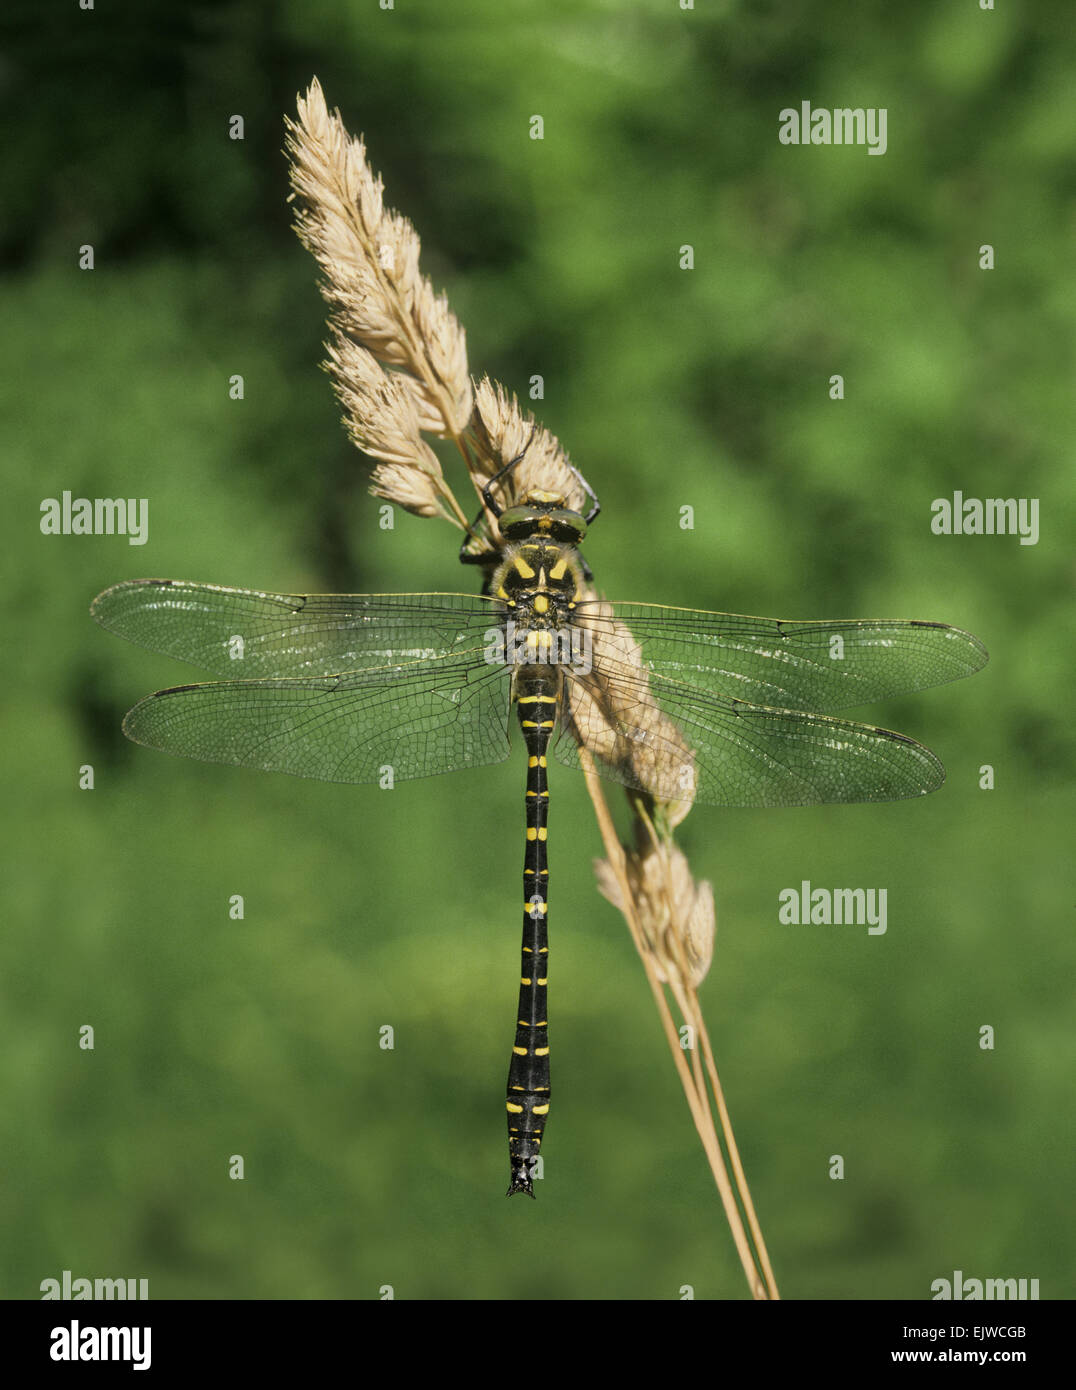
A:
542,514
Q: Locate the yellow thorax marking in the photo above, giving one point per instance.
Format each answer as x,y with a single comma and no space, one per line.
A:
559,570
524,570
539,641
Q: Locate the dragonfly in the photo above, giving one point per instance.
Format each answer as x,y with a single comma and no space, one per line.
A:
678,704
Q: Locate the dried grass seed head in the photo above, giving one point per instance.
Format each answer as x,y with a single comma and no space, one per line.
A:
674,913
500,433
369,259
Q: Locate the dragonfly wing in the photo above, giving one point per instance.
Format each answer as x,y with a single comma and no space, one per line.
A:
785,664
679,744
244,633
418,720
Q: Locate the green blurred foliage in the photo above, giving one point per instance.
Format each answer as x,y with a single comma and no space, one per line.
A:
705,388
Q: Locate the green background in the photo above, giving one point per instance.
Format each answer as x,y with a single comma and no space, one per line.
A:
707,388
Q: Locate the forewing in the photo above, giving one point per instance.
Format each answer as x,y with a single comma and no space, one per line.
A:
791,665
680,744
244,633
418,720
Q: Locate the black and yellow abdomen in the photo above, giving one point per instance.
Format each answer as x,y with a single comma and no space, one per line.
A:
538,581
537,699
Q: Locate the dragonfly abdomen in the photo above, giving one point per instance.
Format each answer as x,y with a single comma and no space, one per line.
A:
537,698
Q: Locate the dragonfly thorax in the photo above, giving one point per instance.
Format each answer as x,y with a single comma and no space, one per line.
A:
540,580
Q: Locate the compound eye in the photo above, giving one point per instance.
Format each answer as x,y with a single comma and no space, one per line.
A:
569,528
516,522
